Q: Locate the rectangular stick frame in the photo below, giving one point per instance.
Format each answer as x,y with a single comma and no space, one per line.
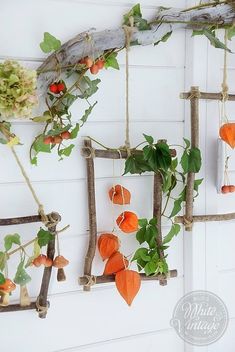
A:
90,153
41,304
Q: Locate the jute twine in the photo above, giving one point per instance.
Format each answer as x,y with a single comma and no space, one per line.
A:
91,280
41,309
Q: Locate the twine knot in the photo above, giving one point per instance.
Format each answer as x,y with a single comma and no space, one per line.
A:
91,280
42,309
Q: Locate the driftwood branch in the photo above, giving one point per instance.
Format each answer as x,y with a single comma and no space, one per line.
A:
92,214
208,96
17,307
113,153
194,102
206,218
111,278
162,23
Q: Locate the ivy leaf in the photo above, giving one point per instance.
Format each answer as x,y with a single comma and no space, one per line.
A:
91,89
157,156
153,221
149,139
191,160
142,222
44,237
75,131
111,61
136,15
43,118
49,43
150,268
187,142
2,279
66,151
177,207
36,252
197,183
40,146
136,164
21,278
231,32
9,240
87,113
141,253
210,34
175,229
164,38
140,235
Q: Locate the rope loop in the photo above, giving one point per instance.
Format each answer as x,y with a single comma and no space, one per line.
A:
41,309
91,280
88,152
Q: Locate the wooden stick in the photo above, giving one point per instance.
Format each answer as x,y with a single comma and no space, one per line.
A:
92,214
157,212
111,278
42,298
207,96
194,144
17,307
23,220
206,218
89,152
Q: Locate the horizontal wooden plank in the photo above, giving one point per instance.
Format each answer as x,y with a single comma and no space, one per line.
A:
73,168
76,17
135,343
72,312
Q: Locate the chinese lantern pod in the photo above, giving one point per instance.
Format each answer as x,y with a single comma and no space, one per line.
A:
119,195
128,283
108,244
127,222
115,263
227,134
61,275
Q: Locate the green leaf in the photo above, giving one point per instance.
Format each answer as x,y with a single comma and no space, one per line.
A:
150,235
75,131
49,43
197,183
138,21
66,151
43,118
3,141
210,34
177,207
36,252
140,235
22,278
140,264
231,32
153,221
191,160
187,142
175,229
149,139
92,87
142,222
141,253
9,240
150,268
158,156
111,61
2,279
87,113
34,160
164,38
44,237
136,164
3,260
40,146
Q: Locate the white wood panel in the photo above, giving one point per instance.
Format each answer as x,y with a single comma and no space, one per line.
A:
70,324
140,342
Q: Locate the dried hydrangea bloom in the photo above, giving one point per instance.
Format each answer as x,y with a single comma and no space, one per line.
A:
17,90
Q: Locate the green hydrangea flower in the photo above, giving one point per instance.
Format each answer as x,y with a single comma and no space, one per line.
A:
17,90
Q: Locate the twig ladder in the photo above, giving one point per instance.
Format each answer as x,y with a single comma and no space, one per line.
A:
90,153
195,95
41,304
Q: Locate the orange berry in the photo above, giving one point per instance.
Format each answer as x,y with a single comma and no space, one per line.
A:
57,139
47,140
65,135
94,69
225,189
100,63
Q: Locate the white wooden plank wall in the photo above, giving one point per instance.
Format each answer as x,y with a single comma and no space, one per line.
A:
100,320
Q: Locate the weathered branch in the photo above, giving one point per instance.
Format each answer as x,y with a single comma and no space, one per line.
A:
95,43
111,278
92,214
208,96
206,218
23,220
112,153
194,144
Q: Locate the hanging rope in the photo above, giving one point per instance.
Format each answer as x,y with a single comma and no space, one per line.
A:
128,33
224,84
